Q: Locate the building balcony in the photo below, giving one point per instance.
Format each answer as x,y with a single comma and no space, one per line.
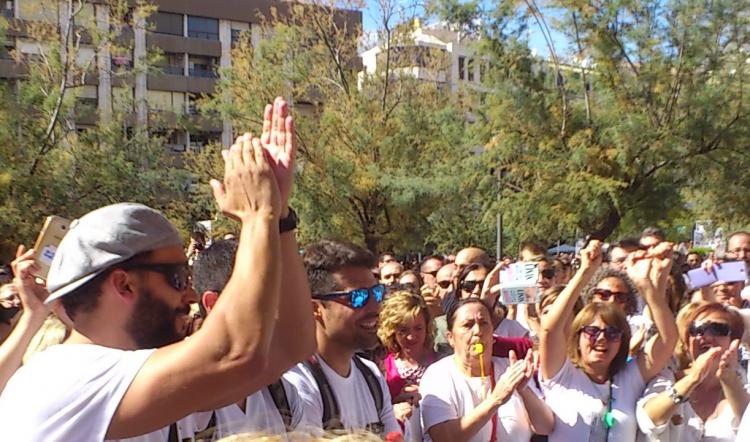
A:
203,73
172,70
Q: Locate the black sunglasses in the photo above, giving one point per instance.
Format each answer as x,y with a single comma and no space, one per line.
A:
611,334
605,294
178,276
548,273
714,329
358,298
469,286
444,284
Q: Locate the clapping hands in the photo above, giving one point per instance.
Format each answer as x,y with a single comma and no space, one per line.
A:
259,172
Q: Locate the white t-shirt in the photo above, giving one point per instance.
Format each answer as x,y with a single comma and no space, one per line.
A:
685,425
510,328
579,404
448,394
261,415
744,431
68,393
354,399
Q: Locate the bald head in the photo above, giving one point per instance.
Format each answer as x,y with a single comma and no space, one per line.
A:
472,255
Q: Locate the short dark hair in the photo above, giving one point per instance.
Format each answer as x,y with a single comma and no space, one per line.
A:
428,258
86,297
328,256
628,242
213,266
655,232
450,315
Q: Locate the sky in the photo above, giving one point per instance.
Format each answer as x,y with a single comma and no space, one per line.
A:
370,18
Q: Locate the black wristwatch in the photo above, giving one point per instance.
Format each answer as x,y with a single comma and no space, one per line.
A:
289,223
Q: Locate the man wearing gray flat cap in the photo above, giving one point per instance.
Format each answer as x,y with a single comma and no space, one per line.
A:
121,275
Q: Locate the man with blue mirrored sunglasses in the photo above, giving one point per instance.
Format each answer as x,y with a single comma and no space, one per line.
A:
356,298
340,390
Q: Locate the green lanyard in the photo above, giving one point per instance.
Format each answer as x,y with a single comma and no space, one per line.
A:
609,418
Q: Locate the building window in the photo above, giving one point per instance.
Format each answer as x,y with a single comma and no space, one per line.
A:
238,35
204,67
201,139
172,63
470,70
203,28
461,68
9,10
168,23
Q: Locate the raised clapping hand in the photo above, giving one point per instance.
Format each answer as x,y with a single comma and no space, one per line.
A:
31,293
515,377
250,188
704,364
531,361
279,142
728,362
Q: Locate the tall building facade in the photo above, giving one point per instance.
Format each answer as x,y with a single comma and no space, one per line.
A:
196,38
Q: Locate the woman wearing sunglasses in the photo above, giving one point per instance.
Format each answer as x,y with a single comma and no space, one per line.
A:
708,400
587,379
474,397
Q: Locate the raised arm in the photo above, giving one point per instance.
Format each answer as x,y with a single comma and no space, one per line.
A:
32,316
731,384
294,329
649,271
552,337
228,358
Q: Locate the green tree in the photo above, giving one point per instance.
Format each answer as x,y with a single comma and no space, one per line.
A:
647,111
380,155
51,165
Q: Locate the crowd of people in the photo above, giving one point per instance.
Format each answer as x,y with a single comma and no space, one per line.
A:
132,338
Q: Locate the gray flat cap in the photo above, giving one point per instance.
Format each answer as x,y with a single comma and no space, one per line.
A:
105,237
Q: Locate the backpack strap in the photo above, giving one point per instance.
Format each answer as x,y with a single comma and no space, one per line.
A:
172,437
372,384
278,394
331,411
207,434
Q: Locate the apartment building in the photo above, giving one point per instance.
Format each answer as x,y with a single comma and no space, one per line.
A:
432,52
196,38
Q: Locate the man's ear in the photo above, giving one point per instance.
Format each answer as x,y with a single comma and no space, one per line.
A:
449,337
318,311
122,282
208,299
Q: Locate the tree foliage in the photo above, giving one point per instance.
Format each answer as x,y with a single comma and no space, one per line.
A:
641,117
51,165
381,155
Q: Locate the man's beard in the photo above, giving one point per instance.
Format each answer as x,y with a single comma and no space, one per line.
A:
153,323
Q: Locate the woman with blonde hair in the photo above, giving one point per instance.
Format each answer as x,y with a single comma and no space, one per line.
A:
707,401
408,333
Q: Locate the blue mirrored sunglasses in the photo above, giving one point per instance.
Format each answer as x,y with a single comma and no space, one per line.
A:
358,297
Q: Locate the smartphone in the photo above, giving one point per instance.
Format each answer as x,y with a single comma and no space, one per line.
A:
49,238
732,271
